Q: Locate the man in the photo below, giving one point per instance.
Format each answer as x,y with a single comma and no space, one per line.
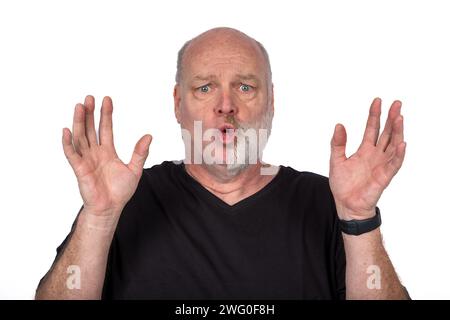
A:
208,228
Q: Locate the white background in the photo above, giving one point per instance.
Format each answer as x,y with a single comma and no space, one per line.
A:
329,60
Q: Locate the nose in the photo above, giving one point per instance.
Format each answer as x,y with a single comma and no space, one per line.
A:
225,106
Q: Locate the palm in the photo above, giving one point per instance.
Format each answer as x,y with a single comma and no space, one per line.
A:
357,182
105,182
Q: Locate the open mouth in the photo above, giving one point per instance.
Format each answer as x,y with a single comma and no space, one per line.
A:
228,133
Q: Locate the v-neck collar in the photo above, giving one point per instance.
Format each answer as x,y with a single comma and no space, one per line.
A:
216,201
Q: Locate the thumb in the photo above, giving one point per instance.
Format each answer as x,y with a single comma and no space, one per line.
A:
140,154
338,142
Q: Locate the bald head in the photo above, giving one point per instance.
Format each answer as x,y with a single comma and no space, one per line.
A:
219,39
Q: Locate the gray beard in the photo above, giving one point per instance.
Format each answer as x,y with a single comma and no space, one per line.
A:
239,158
236,165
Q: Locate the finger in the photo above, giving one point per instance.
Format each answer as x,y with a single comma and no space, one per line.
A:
106,131
69,150
385,137
140,154
373,123
89,104
397,136
79,132
338,143
395,164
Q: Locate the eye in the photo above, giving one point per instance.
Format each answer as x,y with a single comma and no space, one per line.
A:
204,89
245,87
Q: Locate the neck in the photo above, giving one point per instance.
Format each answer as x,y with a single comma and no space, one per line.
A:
230,188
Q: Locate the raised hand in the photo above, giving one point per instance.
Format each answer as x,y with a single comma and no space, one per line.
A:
105,182
357,182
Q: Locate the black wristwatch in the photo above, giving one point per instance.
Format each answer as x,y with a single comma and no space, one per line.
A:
357,227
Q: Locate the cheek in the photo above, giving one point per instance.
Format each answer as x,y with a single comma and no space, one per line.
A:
195,108
253,109
192,111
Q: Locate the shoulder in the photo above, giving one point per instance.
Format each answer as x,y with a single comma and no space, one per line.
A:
311,192
312,176
164,171
306,180
164,167
156,187
158,178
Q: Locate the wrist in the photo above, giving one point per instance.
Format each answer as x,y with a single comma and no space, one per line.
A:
347,214
358,227
105,220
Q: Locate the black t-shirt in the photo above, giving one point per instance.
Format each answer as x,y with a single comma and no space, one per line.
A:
177,240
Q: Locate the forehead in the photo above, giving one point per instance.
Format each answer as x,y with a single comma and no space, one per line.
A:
223,55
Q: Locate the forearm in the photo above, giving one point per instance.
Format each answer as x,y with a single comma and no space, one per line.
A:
369,271
86,253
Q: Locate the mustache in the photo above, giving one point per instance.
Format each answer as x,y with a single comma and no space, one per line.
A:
232,120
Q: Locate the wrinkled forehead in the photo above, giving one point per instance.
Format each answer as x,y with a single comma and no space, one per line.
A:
224,56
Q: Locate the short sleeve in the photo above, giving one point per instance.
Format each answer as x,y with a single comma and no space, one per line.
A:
340,261
337,253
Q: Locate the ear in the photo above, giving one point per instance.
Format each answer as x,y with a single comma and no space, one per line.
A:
176,101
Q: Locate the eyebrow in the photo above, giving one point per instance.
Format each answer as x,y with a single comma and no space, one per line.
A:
248,76
203,77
